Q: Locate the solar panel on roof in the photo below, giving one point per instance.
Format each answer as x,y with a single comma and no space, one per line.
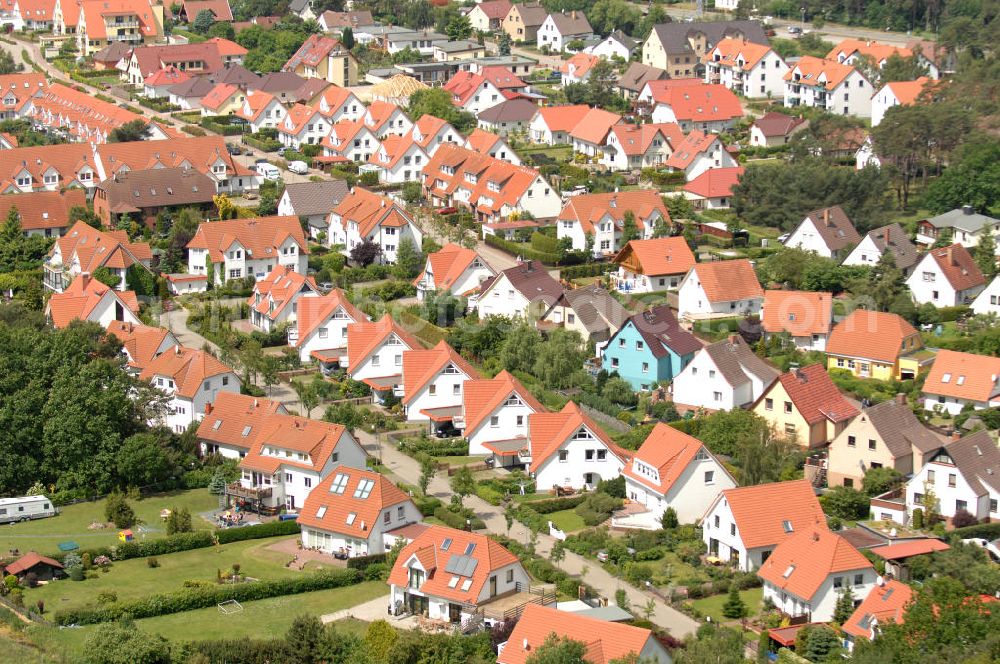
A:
461,565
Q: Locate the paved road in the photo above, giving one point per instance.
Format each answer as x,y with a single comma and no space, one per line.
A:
407,469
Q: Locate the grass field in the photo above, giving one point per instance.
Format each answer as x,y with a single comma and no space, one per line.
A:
44,535
567,521
261,619
712,606
133,579
461,460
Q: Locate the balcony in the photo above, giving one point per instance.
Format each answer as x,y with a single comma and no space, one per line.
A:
237,490
125,38
123,23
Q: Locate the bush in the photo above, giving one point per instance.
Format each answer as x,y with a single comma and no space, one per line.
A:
434,448
198,598
597,508
846,503
918,519
427,504
107,597
963,519
270,529
457,519
152,562
987,531
118,511
362,562
488,493
556,504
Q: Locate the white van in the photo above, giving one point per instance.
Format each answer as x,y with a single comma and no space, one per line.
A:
13,510
268,171
299,167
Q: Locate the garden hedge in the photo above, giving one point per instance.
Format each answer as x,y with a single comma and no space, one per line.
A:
987,531
363,562
200,598
587,270
456,520
270,529
556,504
524,250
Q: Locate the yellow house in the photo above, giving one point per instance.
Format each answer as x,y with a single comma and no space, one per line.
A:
806,407
887,435
875,344
223,99
324,57
99,23
522,22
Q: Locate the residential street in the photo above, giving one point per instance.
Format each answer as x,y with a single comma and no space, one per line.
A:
406,469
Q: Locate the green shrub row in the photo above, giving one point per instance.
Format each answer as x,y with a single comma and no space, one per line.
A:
270,529
521,249
224,129
457,520
427,505
200,598
92,73
587,270
556,504
264,145
987,531
435,448
363,562
544,243
950,314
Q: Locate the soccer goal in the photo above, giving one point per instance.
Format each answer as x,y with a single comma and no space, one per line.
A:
230,606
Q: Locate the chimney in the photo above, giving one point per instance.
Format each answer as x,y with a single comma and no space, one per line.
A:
85,279
733,339
950,255
177,350
885,236
901,399
956,435
208,409
967,209
815,536
826,217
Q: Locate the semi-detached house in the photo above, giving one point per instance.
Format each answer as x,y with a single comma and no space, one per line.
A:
364,216
261,110
302,125
141,344
724,375
705,106
494,417
552,125
957,380
190,379
649,145
699,153
349,140
752,70
946,277
84,249
433,381
398,159
337,104
375,353
241,248
320,331
275,298
231,423
568,449
599,219
87,299
827,84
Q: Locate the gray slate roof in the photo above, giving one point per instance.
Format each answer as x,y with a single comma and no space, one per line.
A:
624,40
194,88
734,358
674,36
897,241
834,227
978,459
597,309
638,75
239,76
310,198
900,429
572,23
661,331
965,219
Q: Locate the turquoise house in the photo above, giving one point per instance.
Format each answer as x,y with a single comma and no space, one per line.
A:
649,348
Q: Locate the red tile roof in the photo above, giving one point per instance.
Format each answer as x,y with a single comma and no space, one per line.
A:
279,288
449,263
875,50
313,438
141,342
314,51
605,641
254,104
816,396
715,182
669,451
92,248
958,267
502,78
200,153
495,9
817,72
29,560
761,510
735,52
363,338
727,281
595,125
699,102
885,604
548,431
43,209
421,366
637,139
802,562
589,209
909,549
482,396
82,297
489,555
658,256
234,419
800,313
260,236
563,118
298,117
169,75
370,210
220,9
86,117
481,141
693,145
314,311
331,511
579,65
964,376
872,335
773,123
189,367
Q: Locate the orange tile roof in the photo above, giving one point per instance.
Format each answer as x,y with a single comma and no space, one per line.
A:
761,510
816,396
342,134
314,311
29,560
316,439
664,255
589,209
481,140
234,419
21,87
462,86
449,263
548,431
800,313
727,281
421,366
605,641
37,10
379,113
220,10
909,549
502,77
369,210
93,13
260,236
482,396
297,118
802,562
336,507
581,64
363,338
79,113
393,149
219,95
907,92
93,248
669,451
513,181
595,125
141,342
333,98
563,118
39,210
313,51
279,288
694,144
254,104
715,182
489,555
189,367
169,75
872,335
200,153
815,72
970,377
885,604
427,127
875,50
81,297
699,102
735,52
68,159
226,46
637,139
958,267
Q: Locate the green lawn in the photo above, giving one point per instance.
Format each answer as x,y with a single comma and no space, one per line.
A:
44,535
133,579
461,460
712,606
567,521
261,619
530,497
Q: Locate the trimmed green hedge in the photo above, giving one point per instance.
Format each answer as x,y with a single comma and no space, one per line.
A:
435,448
988,531
270,529
264,145
456,520
200,598
587,270
363,562
524,250
556,504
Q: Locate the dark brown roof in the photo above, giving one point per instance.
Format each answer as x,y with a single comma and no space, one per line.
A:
571,23
733,357
157,187
675,36
196,87
638,75
896,240
900,429
777,124
532,14
280,81
239,76
958,267
113,52
834,227
862,538
532,280
978,459
512,110
661,331
596,308
309,198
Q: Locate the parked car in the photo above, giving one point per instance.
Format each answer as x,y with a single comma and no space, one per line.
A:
299,167
446,211
794,30
447,431
233,148
326,286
